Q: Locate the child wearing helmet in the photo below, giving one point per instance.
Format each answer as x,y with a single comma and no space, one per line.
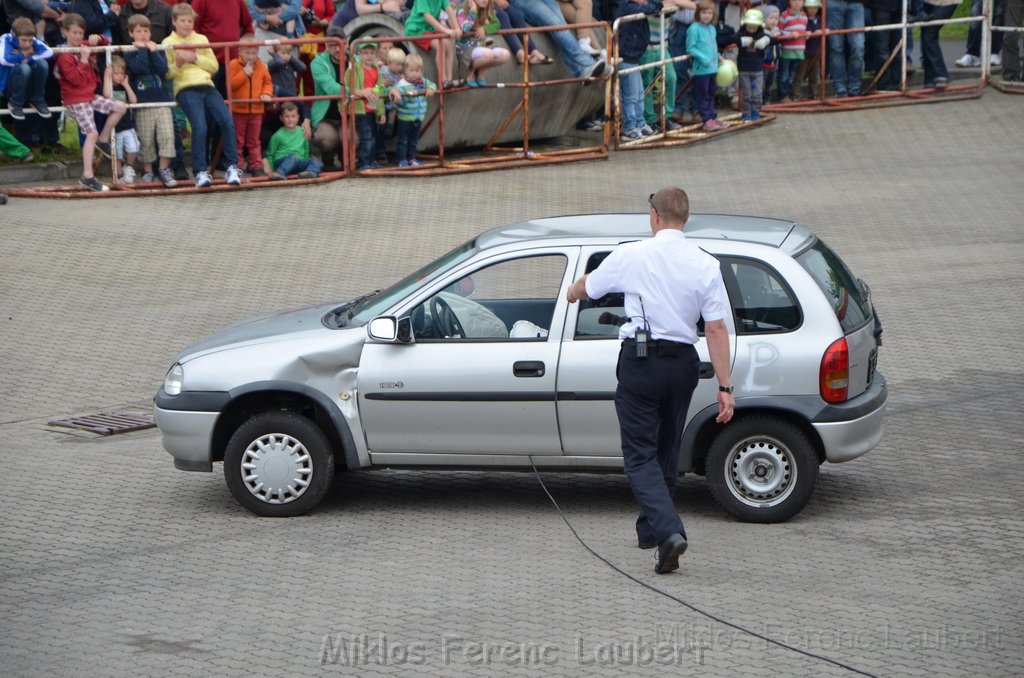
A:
810,67
752,44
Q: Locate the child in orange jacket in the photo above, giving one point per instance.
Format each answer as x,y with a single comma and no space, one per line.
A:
249,78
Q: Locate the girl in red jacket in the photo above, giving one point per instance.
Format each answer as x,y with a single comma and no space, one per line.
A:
78,83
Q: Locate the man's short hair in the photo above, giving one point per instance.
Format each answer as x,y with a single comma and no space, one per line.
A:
672,204
182,9
71,19
23,27
336,32
136,20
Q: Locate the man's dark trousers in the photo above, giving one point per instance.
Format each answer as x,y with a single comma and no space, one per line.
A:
651,401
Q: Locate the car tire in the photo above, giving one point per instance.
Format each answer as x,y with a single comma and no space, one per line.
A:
290,465
761,469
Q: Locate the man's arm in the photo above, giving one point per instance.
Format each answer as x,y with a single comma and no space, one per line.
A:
717,335
578,290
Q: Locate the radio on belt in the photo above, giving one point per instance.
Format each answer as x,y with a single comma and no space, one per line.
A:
641,343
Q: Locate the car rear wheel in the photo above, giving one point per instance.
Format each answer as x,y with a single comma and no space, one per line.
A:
278,464
762,469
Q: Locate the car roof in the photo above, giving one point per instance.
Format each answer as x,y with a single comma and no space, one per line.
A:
601,228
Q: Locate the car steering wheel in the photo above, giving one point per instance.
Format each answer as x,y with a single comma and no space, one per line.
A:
443,318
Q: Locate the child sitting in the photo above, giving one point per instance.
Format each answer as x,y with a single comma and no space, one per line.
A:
192,72
473,16
24,69
126,141
249,78
750,63
78,83
425,17
147,66
409,96
288,151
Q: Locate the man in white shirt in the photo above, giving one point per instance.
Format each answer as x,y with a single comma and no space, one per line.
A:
669,284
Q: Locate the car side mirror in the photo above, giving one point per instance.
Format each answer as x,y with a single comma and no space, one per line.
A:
388,328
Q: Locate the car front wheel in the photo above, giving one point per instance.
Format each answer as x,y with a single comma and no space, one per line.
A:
278,464
762,469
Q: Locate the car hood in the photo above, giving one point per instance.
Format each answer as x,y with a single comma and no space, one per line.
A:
279,326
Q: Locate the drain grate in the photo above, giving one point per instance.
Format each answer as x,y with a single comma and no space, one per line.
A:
108,423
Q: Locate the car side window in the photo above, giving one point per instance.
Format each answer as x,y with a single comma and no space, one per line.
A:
761,300
595,316
509,300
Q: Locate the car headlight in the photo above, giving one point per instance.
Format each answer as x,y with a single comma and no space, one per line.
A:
172,382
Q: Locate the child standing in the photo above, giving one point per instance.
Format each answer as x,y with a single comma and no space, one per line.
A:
126,141
425,17
792,22
192,72
249,78
810,67
750,62
78,83
771,53
633,39
473,16
288,151
285,71
154,126
410,96
390,74
366,120
702,45
24,69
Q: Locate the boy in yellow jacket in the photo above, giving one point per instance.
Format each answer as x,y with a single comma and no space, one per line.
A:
191,71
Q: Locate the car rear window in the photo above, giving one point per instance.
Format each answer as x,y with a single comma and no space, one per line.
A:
840,286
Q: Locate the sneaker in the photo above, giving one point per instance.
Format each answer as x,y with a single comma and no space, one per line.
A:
93,184
306,175
753,116
403,163
233,175
277,176
103,147
995,60
647,130
414,163
147,177
203,179
632,135
588,48
29,158
594,70
17,111
255,171
969,61
166,176
941,83
128,175
746,118
44,111
671,125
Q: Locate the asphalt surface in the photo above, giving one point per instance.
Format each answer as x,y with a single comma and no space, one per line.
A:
907,561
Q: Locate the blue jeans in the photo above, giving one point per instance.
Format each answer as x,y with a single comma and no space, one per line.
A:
706,88
686,102
846,70
27,82
934,63
547,13
365,154
197,103
787,73
291,164
631,93
407,134
974,32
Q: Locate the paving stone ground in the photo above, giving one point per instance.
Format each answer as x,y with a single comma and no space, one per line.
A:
907,561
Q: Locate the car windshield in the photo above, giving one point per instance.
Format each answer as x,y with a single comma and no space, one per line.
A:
362,309
839,285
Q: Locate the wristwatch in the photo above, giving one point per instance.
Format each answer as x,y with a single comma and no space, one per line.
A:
725,389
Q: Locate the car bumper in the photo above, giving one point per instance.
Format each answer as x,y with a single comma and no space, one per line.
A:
853,428
187,436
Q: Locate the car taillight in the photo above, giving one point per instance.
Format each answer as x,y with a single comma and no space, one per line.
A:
834,380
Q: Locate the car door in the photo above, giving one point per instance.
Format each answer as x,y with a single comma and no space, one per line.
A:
479,377
586,375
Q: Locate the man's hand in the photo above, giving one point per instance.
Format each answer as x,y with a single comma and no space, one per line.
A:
577,290
307,129
726,407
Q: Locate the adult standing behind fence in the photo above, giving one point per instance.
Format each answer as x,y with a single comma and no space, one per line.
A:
935,72
846,51
1011,45
669,283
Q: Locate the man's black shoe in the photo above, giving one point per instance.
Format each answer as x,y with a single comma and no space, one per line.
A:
181,174
669,552
646,544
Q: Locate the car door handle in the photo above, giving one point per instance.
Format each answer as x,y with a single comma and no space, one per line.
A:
528,368
707,370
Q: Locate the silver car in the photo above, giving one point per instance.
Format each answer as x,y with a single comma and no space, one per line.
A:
477,361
